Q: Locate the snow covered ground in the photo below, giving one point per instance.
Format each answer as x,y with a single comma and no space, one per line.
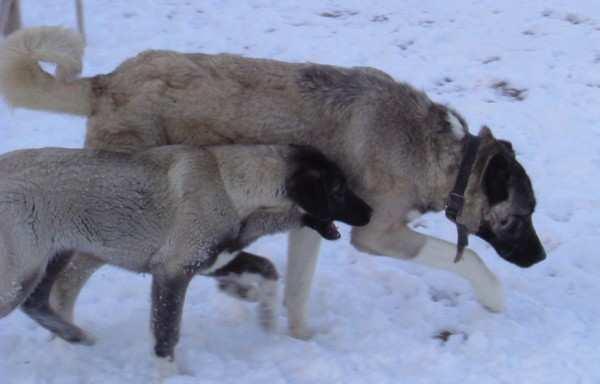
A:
528,69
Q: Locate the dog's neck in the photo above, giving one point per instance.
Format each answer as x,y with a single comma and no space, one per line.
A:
442,178
444,173
254,177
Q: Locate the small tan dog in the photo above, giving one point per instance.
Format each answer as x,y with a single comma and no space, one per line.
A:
171,211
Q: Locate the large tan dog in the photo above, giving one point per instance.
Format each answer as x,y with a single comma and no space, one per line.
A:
401,151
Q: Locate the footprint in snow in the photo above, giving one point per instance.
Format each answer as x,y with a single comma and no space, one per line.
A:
446,334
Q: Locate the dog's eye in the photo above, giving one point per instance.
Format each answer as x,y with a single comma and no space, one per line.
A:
511,225
506,223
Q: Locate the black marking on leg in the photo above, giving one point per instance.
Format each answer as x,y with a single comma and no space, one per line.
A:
168,297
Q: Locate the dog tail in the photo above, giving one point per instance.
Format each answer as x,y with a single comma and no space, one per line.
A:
23,83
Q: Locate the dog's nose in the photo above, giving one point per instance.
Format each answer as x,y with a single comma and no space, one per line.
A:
528,259
541,255
532,251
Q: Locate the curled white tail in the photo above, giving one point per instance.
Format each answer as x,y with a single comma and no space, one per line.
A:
24,84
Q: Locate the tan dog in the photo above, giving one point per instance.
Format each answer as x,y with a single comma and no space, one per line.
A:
401,151
173,211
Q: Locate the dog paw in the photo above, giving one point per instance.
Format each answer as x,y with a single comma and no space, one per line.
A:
86,339
80,339
75,336
487,286
266,318
237,290
301,332
164,368
490,294
267,307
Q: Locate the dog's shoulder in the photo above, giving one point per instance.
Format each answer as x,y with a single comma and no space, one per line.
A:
188,169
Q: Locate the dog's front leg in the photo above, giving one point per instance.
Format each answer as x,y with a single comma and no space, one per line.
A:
401,242
168,296
303,251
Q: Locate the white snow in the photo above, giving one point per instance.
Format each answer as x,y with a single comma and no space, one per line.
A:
375,319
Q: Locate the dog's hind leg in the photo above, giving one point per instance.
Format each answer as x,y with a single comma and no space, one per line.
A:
252,278
37,305
70,281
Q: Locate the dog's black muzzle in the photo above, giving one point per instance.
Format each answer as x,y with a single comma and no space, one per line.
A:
523,249
354,211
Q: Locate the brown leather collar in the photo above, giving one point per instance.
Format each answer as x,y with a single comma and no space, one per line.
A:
456,198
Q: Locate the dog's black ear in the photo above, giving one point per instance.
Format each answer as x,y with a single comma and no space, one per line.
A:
306,189
508,146
496,178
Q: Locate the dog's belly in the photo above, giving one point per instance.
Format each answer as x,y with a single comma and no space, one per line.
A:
135,259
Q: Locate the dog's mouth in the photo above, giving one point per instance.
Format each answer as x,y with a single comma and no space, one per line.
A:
330,231
326,228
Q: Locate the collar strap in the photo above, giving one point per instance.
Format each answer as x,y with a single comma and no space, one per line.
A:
456,198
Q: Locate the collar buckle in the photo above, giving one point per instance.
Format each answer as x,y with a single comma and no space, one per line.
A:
454,205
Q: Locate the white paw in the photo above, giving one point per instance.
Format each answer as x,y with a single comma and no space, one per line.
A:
487,287
490,294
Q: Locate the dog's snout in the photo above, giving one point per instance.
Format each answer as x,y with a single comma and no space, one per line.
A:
529,256
356,211
364,219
